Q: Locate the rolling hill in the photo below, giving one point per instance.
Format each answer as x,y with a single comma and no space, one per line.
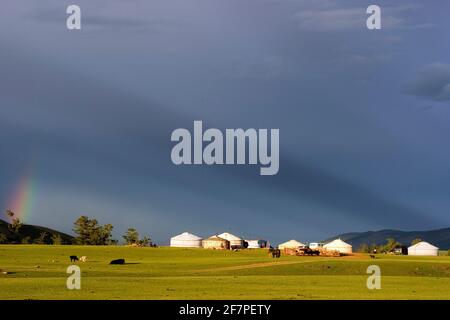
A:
32,232
439,238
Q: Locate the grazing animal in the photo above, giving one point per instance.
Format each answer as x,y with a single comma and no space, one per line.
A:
372,256
118,261
276,253
83,259
73,258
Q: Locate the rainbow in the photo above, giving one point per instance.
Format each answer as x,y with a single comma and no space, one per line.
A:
21,203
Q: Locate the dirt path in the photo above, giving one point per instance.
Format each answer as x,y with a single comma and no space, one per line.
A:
257,265
283,263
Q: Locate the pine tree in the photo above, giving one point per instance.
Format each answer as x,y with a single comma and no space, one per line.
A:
15,224
89,232
3,239
56,239
131,236
41,239
145,242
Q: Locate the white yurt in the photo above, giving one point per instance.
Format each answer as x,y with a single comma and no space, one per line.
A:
423,249
234,240
338,245
291,244
256,244
186,240
215,242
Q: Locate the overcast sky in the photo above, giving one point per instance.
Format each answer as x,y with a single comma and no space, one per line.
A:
364,115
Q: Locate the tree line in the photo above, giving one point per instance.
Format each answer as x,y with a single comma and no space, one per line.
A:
88,232
389,246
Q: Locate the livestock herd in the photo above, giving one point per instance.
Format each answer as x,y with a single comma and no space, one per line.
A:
84,259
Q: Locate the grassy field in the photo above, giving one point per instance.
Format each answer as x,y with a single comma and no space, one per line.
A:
39,272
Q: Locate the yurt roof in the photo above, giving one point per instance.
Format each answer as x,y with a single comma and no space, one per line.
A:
338,243
292,243
216,238
229,236
423,245
186,236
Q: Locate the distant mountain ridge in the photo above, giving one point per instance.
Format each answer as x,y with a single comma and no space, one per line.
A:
33,232
439,237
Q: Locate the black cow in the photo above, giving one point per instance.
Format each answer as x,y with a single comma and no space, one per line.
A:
73,258
118,261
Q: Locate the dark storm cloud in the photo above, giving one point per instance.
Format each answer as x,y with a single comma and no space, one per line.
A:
94,111
120,139
431,82
339,197
351,199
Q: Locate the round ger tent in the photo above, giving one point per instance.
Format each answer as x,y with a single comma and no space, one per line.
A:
338,245
291,244
423,249
234,240
186,240
216,242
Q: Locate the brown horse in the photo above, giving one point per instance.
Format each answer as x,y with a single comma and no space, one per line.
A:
276,253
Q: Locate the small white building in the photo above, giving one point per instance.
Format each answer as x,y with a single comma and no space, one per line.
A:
235,241
316,245
186,240
339,245
423,249
256,244
291,244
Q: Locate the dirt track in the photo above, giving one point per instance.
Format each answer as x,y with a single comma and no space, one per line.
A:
279,263
256,265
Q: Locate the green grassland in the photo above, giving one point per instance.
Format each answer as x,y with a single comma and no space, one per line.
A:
39,272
